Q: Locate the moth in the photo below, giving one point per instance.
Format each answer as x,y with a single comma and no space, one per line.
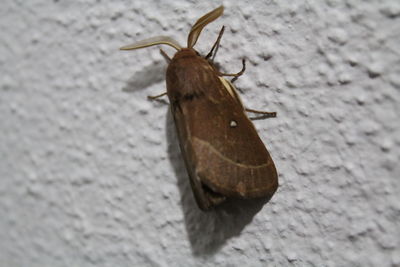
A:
224,156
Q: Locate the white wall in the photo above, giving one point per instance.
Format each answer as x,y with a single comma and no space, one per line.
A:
91,173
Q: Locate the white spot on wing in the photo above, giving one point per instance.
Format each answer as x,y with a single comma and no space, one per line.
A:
233,124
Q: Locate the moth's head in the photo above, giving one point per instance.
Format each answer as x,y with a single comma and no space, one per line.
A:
192,37
186,52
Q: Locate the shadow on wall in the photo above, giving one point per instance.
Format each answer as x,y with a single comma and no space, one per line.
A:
207,231
147,76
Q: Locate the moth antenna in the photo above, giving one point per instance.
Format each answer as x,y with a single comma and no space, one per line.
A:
153,41
201,23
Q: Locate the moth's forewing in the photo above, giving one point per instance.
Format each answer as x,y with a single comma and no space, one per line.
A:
205,198
222,149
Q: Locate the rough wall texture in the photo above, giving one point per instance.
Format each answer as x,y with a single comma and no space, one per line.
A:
91,173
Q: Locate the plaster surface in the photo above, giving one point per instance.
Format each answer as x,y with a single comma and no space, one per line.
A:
90,170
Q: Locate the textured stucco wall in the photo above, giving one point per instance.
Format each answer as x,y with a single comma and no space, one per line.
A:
90,170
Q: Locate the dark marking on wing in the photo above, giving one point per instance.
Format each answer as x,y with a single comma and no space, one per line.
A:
192,96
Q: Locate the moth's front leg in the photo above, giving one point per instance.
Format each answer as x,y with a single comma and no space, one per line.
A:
236,75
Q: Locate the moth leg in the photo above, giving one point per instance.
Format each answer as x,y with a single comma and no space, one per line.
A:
216,45
236,75
264,113
167,58
153,97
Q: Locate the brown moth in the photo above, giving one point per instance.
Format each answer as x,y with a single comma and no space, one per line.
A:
224,156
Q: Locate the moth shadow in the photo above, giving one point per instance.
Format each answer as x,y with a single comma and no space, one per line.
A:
147,76
207,231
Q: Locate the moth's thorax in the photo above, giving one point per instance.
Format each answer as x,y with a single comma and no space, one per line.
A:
188,58
189,74
185,53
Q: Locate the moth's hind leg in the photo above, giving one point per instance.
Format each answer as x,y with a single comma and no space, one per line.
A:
264,114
